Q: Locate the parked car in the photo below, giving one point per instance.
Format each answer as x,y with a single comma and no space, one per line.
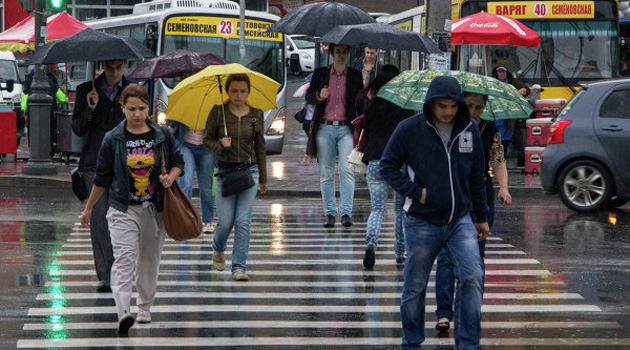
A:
300,53
587,161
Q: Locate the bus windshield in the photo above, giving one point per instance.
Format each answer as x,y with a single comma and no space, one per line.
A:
263,56
569,52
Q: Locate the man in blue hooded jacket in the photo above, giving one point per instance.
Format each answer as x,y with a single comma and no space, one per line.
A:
443,159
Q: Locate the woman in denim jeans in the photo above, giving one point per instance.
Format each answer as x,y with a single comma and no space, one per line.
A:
381,118
234,132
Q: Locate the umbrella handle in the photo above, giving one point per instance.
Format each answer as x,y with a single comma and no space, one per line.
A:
222,106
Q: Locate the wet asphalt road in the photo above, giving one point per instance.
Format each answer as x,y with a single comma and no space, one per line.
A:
553,277
555,280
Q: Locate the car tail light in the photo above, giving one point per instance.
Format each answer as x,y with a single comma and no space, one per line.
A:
556,129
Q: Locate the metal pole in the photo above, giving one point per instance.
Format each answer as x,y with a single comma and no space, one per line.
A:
242,49
39,106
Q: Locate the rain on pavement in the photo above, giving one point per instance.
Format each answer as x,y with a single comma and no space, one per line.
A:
554,280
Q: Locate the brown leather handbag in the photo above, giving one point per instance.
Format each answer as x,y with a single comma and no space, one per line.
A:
181,219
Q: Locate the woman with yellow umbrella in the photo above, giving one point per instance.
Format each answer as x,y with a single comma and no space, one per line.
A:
234,132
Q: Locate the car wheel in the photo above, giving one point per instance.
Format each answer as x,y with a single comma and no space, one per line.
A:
585,186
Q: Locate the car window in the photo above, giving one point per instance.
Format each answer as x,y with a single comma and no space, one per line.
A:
304,42
8,70
616,105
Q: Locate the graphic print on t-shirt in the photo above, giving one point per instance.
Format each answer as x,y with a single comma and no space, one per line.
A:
140,166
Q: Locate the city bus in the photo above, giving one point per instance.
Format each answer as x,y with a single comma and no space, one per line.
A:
208,26
579,43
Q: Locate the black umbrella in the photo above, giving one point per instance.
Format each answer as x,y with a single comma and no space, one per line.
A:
175,64
317,18
89,45
380,36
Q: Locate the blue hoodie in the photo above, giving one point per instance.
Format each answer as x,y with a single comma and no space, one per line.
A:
453,176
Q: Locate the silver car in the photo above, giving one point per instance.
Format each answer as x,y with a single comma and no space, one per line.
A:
588,159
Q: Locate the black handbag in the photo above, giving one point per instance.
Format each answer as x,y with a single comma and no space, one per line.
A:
78,185
300,116
236,180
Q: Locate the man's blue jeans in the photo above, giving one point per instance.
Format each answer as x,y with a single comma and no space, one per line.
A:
334,144
445,276
201,159
424,241
378,193
235,211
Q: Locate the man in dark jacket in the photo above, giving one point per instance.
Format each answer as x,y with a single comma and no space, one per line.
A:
96,111
333,91
444,180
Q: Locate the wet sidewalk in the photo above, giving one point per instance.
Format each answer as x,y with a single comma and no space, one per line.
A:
287,176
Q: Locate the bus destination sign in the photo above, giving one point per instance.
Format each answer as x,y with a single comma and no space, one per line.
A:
219,27
543,9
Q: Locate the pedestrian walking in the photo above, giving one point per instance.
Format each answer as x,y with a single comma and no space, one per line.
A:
495,165
129,164
333,91
234,132
96,111
442,153
381,119
202,161
367,65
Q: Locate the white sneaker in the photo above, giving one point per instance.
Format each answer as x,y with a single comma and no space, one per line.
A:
143,316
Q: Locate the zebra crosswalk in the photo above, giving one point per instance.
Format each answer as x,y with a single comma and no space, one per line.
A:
307,290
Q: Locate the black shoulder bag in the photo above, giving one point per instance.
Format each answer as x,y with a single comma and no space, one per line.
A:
239,178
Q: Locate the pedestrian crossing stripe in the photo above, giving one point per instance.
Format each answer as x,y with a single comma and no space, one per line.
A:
222,342
293,262
166,272
316,324
292,295
228,282
155,309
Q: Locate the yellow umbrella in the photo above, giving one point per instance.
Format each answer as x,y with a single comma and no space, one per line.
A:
192,99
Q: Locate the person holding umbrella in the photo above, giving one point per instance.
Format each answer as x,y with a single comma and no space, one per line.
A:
333,91
442,182
97,110
495,164
128,170
234,132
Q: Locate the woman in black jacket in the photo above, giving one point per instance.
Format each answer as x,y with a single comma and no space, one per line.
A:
128,166
381,118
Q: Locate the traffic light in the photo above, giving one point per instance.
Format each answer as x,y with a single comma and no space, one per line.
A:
56,6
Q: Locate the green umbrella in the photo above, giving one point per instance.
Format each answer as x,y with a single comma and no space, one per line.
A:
408,90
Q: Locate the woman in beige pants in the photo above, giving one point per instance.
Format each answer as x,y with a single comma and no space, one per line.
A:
129,164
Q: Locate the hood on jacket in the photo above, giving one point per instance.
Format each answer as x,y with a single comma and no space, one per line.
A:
445,87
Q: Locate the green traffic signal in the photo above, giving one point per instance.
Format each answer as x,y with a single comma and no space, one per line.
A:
56,6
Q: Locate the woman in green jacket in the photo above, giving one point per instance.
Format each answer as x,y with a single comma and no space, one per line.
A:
234,132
